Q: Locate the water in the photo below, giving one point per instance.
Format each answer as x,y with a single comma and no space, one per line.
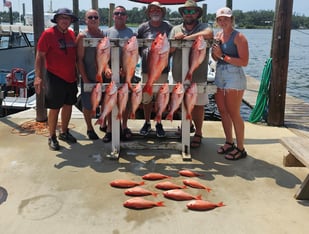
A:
260,45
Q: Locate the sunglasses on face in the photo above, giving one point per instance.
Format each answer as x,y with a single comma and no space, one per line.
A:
91,17
120,13
189,11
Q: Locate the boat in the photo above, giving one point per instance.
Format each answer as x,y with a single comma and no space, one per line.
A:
17,56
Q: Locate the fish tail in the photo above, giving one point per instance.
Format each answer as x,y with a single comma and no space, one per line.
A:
220,204
199,197
132,115
169,116
208,189
99,78
160,203
147,89
189,116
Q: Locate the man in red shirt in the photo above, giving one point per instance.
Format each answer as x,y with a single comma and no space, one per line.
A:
56,51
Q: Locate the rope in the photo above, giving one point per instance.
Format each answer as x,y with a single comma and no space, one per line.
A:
34,127
260,107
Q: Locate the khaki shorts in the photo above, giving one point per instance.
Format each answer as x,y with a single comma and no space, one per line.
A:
162,79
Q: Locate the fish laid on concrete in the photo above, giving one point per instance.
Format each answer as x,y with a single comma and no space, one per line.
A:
163,97
130,58
189,173
103,57
197,56
123,183
96,95
176,100
136,99
202,205
122,99
110,100
180,195
157,60
196,184
190,99
167,185
154,176
139,191
141,203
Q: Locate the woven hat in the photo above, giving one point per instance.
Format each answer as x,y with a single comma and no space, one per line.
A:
191,4
224,11
64,11
157,4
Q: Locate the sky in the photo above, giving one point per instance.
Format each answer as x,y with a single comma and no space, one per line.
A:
300,7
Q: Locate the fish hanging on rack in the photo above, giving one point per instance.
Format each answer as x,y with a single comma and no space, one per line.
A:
102,57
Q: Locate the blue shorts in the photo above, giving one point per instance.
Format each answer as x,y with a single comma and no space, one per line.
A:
230,77
59,92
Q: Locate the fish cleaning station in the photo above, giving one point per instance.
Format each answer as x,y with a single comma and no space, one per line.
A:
116,145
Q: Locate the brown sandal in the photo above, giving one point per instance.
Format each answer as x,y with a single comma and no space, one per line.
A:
196,143
223,150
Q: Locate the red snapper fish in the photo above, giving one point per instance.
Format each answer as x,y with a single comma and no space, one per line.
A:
180,195
162,100
103,57
189,173
130,58
154,176
139,191
167,185
122,99
197,56
190,99
110,100
157,60
122,183
96,95
176,100
136,98
202,205
196,184
141,203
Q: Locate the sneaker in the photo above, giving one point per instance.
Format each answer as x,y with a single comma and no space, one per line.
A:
66,136
92,135
145,129
160,130
53,143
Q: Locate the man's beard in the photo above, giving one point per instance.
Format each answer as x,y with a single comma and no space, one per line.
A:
190,21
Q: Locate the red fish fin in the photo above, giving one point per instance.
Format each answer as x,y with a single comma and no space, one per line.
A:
208,189
169,117
184,187
132,116
220,204
147,89
158,118
199,197
155,194
99,78
189,117
119,116
142,183
160,203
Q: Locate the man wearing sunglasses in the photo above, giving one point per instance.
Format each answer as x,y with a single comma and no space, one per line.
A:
56,50
87,65
155,12
190,29
119,30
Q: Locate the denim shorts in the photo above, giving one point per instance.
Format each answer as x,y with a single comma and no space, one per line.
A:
230,77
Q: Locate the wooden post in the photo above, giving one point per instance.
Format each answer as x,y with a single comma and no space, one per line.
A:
95,4
110,14
76,12
204,16
280,62
229,4
38,28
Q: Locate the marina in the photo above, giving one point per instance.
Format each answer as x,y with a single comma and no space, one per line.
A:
69,191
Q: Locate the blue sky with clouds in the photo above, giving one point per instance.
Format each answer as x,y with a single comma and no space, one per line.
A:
300,7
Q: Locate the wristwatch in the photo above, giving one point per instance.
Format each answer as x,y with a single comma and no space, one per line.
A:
222,57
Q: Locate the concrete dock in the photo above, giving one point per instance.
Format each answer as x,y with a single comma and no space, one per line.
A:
68,191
